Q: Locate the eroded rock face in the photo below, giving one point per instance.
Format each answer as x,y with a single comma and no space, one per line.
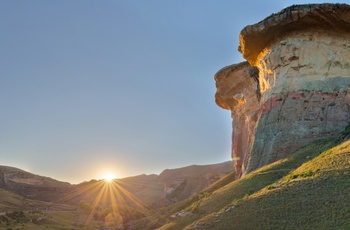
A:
324,17
299,92
238,91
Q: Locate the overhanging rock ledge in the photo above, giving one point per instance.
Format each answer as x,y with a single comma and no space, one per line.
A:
294,87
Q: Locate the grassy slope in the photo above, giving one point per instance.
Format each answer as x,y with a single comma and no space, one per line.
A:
52,220
58,216
157,218
12,202
308,190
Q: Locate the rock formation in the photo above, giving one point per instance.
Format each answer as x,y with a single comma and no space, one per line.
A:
294,87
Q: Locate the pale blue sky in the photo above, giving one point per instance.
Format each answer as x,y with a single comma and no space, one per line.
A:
88,87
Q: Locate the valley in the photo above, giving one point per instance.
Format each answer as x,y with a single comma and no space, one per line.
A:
31,201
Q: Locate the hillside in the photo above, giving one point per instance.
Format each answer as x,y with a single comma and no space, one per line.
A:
30,185
12,202
25,196
174,185
307,190
171,186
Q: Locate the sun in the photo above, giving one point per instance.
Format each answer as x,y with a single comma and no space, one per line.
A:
108,177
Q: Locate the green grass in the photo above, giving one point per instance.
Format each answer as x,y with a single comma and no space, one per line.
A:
38,220
313,196
307,190
12,202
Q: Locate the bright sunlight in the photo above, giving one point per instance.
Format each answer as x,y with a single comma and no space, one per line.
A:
108,202
108,177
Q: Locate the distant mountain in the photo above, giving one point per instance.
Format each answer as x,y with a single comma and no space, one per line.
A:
171,186
174,185
25,197
31,186
23,191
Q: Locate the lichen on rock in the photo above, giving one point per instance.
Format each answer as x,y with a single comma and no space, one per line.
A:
294,87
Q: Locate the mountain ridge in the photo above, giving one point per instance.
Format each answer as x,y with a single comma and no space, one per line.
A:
44,188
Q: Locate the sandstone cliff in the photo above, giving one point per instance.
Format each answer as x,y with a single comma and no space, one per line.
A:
294,87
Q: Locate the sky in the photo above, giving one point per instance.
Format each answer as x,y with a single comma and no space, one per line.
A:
121,87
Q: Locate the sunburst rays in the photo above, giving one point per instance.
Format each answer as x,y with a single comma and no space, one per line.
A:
109,196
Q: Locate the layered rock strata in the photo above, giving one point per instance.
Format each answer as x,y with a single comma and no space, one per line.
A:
294,87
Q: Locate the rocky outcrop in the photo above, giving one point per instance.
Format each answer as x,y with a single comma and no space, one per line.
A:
294,87
238,91
31,186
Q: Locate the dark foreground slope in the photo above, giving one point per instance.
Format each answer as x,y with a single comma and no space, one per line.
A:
308,190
